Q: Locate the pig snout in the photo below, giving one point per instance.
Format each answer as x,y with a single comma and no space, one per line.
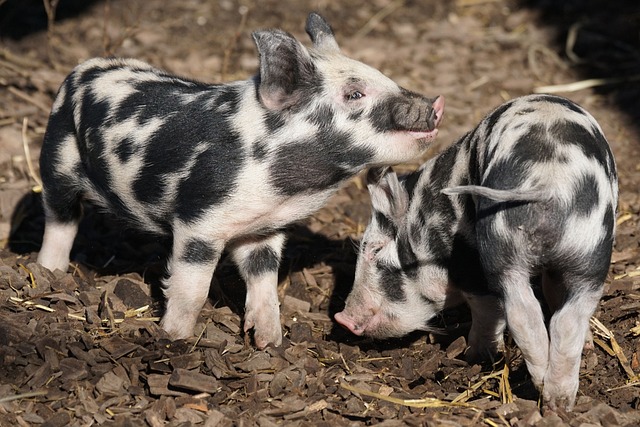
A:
354,326
363,321
417,115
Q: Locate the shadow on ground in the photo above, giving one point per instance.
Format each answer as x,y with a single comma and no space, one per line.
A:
602,41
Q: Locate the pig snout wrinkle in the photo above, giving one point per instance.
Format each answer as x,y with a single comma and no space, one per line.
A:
418,117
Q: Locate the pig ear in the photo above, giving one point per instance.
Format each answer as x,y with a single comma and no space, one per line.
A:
321,33
388,195
285,69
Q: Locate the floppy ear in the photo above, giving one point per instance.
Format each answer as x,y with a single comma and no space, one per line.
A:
285,69
321,33
388,195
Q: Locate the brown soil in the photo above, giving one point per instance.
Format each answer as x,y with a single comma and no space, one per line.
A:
84,348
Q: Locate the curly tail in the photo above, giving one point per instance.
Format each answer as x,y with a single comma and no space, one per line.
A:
516,195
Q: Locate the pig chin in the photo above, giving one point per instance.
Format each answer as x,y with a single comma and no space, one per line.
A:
424,137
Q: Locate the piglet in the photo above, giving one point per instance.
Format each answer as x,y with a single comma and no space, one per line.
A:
218,166
531,192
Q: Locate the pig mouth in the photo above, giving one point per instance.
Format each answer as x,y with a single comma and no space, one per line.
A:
423,136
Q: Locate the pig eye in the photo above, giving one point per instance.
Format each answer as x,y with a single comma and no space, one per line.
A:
353,96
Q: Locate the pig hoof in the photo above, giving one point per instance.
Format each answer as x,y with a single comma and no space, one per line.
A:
177,329
264,332
559,404
263,340
176,332
474,356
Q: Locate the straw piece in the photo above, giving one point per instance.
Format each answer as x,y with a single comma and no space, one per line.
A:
585,84
414,403
505,388
615,349
467,394
378,17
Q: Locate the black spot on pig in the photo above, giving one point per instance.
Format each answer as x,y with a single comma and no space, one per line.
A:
441,172
125,149
321,116
439,244
585,195
391,282
212,179
262,260
406,256
534,145
260,150
591,141
356,115
560,101
411,180
172,146
493,118
227,100
318,163
63,199
156,100
506,173
93,112
198,251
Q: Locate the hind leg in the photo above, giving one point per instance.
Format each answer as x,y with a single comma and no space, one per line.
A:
525,321
56,244
568,331
60,170
554,295
63,212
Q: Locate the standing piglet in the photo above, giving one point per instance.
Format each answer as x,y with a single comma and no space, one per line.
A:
530,192
217,166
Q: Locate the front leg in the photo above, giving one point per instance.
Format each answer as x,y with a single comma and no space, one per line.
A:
190,268
258,259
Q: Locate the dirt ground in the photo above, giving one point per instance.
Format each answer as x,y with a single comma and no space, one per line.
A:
84,348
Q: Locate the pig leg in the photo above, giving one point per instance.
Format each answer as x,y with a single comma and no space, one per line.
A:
60,169
568,331
258,260
63,212
525,320
486,337
56,243
554,295
190,268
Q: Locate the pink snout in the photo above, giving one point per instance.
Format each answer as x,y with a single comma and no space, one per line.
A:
349,323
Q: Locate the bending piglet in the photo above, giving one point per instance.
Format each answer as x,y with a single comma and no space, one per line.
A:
530,192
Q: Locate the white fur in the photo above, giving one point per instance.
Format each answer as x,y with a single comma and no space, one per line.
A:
56,245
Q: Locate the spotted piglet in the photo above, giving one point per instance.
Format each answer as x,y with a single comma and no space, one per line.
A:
222,166
531,192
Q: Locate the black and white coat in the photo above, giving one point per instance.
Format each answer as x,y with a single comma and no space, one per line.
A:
530,192
226,165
